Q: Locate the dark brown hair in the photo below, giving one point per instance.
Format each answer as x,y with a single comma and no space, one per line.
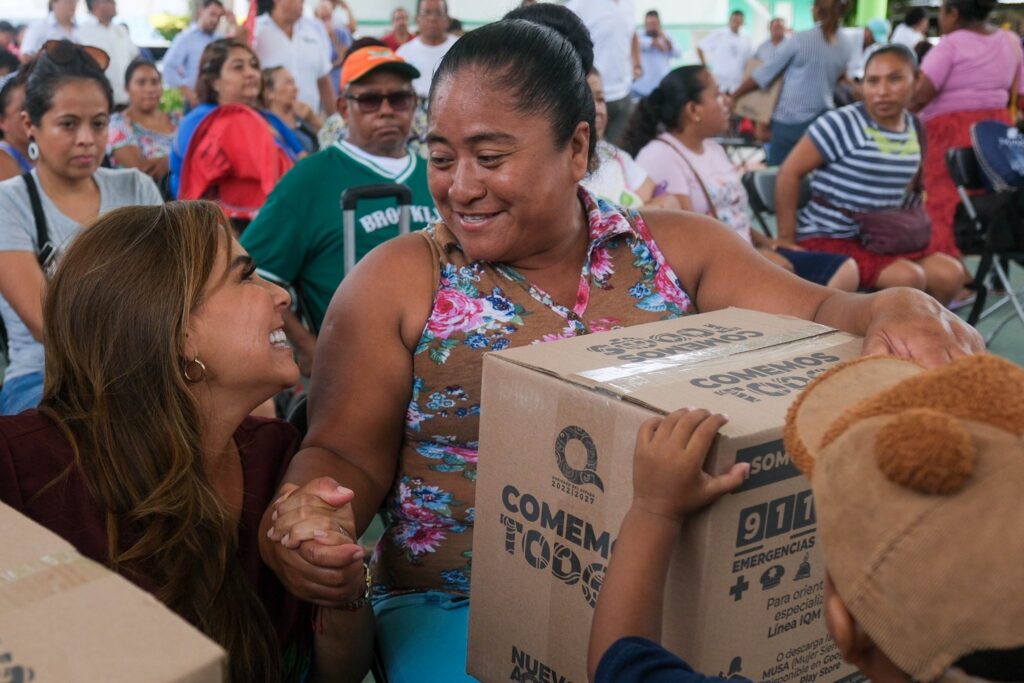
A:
115,319
212,62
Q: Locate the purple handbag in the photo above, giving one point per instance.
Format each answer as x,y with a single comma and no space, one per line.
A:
895,231
899,230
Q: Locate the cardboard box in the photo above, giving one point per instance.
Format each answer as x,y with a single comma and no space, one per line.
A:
559,424
66,618
758,105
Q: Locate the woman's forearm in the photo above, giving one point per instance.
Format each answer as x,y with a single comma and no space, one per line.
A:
313,461
746,87
850,312
787,194
342,645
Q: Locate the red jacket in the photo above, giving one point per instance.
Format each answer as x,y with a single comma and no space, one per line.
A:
233,160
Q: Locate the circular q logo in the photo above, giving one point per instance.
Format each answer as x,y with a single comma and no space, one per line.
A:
587,475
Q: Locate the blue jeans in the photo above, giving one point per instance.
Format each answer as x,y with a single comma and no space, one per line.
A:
21,393
784,139
422,637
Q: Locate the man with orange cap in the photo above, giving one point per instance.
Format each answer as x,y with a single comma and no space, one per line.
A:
297,238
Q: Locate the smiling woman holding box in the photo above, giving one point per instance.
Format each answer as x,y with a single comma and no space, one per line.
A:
523,255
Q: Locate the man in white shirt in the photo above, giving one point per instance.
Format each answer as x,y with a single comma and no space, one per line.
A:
616,55
861,43
59,24
656,54
99,30
426,50
725,51
913,29
283,37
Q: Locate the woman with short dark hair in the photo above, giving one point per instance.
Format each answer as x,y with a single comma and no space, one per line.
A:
66,113
523,255
141,136
865,157
672,135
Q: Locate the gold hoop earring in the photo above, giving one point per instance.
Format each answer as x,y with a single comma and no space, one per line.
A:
191,378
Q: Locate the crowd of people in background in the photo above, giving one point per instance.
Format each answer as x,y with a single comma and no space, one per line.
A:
557,141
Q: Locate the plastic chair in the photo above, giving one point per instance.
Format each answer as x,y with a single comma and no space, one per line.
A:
982,236
760,187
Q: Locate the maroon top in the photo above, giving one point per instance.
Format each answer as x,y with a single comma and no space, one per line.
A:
34,452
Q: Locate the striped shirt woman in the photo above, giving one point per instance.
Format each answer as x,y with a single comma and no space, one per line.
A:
864,158
867,168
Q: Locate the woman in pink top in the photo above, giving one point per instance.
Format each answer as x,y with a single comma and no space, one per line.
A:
966,78
672,135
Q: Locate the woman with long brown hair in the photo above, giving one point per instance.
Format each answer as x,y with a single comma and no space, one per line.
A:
160,340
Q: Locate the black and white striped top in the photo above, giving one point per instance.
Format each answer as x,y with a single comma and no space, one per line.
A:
867,168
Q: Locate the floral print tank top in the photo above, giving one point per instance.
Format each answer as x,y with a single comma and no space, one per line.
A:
480,307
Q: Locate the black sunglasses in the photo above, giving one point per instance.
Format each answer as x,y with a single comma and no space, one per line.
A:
370,102
64,52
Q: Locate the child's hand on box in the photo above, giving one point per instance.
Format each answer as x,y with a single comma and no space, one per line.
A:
669,483
668,475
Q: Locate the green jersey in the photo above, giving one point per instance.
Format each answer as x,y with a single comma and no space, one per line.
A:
297,239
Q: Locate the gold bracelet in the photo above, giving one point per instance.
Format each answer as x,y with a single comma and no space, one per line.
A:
363,599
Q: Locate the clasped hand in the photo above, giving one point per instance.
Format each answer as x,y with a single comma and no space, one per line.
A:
313,547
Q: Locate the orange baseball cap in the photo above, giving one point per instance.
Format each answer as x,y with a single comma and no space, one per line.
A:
368,59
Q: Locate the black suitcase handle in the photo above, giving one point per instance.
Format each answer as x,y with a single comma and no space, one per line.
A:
353,195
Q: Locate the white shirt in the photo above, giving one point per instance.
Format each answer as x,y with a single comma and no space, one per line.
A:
306,55
46,29
904,35
611,28
617,178
390,165
426,58
726,54
115,41
340,18
854,39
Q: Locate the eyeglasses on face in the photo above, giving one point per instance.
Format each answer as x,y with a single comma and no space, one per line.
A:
64,52
369,102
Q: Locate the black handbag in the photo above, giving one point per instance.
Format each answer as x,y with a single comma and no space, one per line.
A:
45,250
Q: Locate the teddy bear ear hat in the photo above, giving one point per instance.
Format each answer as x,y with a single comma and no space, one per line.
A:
918,480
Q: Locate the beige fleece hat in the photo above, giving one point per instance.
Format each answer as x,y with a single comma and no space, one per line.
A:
918,480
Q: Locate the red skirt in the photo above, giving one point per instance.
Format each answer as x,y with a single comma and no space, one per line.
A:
868,263
943,132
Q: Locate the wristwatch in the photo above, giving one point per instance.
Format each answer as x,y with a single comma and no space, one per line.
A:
363,599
